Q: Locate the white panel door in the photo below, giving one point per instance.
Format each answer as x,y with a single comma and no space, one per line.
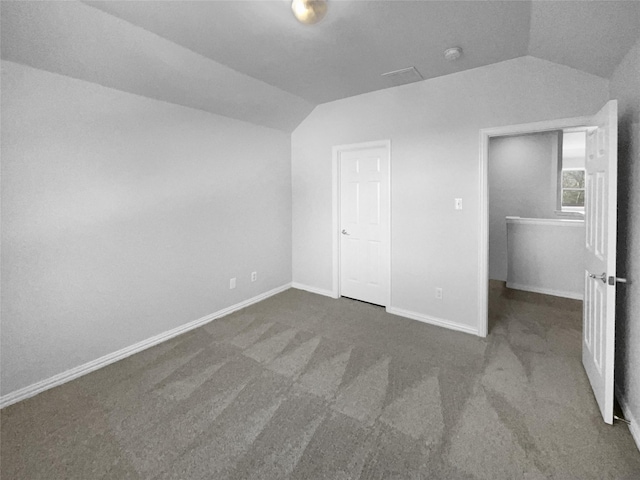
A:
364,224
598,334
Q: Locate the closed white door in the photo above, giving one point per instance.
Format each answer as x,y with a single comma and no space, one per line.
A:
364,224
600,257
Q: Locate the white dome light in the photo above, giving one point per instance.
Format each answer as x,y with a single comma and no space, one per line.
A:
309,11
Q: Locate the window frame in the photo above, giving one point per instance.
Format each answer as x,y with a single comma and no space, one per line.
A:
575,212
562,207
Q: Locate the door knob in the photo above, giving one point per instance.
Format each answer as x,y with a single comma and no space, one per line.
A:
344,232
602,277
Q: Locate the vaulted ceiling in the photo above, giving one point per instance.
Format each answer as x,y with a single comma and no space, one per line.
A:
253,61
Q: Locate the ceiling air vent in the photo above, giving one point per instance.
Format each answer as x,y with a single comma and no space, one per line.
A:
402,76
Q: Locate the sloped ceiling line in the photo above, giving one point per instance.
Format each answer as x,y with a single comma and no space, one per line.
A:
252,61
79,41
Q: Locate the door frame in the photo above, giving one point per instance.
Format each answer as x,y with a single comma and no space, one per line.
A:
483,253
335,209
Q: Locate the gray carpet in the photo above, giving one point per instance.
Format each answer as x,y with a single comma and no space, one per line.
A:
306,387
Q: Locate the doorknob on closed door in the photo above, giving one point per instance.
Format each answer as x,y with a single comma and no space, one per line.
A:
344,232
602,277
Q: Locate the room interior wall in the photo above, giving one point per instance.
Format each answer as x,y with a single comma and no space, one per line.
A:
522,183
434,129
625,87
546,255
124,217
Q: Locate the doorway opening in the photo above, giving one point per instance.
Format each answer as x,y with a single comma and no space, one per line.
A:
597,191
536,260
485,139
536,189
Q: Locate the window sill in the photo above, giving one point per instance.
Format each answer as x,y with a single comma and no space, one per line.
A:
568,214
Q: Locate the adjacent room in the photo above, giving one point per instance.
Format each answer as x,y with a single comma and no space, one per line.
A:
320,239
536,212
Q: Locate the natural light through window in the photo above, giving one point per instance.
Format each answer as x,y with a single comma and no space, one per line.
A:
572,189
571,172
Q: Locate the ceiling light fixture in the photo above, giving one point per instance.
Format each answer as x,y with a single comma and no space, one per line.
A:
309,11
452,54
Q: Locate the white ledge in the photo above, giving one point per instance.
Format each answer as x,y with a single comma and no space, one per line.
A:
559,222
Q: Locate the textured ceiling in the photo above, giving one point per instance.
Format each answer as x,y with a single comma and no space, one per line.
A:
592,36
251,59
79,41
346,53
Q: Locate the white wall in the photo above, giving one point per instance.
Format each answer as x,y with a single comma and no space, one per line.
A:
625,87
434,130
546,256
522,173
124,217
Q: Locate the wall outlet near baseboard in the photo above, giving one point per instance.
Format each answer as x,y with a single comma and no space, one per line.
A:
254,276
439,293
232,283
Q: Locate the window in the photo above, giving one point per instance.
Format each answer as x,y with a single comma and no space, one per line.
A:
571,173
572,190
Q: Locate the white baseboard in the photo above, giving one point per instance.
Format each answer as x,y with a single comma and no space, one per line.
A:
307,288
64,377
545,291
634,426
440,322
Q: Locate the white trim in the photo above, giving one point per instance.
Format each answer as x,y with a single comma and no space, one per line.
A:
483,244
557,222
546,291
335,222
308,288
440,322
535,127
335,206
73,373
634,426
568,214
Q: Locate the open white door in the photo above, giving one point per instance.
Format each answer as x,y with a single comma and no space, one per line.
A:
598,332
364,224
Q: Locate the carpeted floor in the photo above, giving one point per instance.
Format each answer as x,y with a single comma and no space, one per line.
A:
305,387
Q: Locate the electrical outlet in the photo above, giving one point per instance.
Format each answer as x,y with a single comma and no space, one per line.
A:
458,203
254,276
439,293
232,283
